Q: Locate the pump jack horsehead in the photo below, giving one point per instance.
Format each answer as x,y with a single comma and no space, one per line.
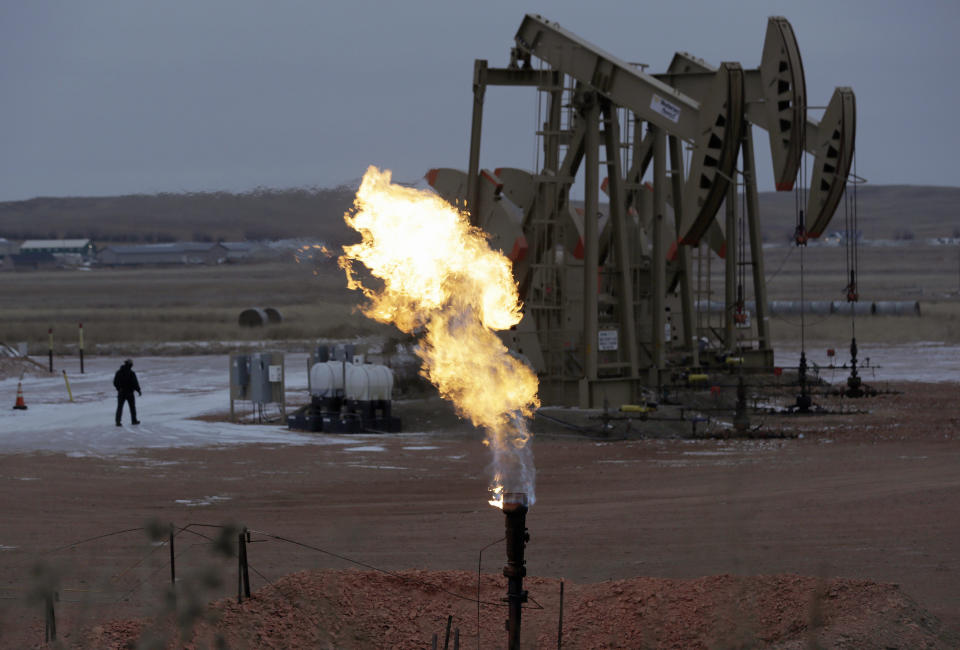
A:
596,287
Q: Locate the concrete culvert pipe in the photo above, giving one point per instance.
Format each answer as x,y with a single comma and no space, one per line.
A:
273,315
252,317
896,308
844,308
782,307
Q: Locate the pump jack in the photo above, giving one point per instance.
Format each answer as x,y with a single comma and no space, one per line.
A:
596,287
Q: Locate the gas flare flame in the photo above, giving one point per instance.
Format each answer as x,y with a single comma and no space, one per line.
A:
440,276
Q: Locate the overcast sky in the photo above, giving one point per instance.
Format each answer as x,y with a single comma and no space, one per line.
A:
108,97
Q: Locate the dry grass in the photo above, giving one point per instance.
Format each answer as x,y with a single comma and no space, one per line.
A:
202,303
940,322
177,304
917,272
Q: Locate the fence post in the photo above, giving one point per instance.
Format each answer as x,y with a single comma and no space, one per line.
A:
50,628
50,347
560,622
243,577
173,562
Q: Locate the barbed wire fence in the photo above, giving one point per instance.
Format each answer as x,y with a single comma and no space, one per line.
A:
188,597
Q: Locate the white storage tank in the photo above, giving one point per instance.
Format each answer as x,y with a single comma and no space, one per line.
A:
369,382
381,387
326,378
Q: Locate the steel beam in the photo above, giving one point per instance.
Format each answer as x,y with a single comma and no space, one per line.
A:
625,306
756,243
690,342
658,258
712,125
476,125
591,255
650,98
730,272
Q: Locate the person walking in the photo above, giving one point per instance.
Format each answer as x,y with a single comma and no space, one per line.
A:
125,381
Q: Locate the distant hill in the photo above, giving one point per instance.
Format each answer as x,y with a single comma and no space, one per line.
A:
885,212
261,214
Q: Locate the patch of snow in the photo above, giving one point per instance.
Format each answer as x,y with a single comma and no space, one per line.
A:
176,390
926,361
366,448
202,501
718,452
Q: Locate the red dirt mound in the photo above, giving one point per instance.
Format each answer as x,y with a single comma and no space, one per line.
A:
363,609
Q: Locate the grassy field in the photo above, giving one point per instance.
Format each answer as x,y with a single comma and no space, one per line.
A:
928,274
150,305
177,304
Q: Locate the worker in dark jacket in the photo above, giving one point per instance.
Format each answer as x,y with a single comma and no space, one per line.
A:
125,381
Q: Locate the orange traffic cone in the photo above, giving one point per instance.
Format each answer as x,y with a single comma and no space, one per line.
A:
20,404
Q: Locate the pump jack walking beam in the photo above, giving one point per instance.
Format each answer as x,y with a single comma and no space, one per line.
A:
775,96
712,126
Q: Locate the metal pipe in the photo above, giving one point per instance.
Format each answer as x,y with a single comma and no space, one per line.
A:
515,512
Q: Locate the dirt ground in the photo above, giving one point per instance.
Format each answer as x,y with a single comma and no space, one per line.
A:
869,497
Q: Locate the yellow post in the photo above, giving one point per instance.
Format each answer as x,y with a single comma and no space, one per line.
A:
67,382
